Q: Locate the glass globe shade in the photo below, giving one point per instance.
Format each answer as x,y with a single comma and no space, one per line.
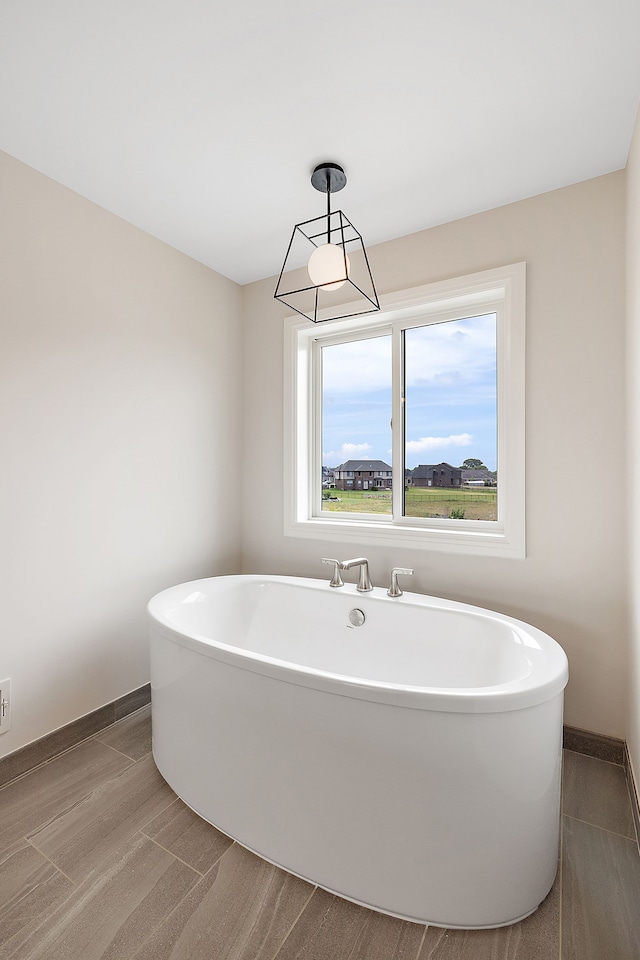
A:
327,262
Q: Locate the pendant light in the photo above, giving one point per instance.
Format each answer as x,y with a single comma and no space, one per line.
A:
326,273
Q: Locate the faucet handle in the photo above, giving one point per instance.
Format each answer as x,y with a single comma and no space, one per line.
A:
394,590
336,579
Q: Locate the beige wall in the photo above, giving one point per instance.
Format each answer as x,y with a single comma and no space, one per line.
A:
119,424
120,416
573,582
633,376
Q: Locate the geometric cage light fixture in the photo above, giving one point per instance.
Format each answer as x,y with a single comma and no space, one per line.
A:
326,273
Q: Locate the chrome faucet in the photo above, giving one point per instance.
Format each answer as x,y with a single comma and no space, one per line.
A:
336,579
364,580
394,590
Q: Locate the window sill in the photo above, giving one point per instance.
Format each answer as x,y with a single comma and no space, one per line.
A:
477,541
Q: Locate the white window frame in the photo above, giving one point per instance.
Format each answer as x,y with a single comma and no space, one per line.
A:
501,290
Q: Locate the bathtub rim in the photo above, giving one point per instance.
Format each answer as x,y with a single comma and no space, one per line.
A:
512,695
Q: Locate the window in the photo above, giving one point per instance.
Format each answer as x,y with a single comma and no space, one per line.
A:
428,393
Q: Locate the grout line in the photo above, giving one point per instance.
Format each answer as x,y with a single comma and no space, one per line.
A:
116,723
175,800
612,763
561,856
179,903
48,859
424,935
201,877
632,790
560,898
115,749
71,746
291,928
175,855
596,826
234,843
159,813
132,762
44,763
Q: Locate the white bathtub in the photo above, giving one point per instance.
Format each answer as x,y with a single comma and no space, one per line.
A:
411,764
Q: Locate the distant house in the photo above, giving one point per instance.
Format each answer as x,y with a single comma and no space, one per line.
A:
435,475
479,478
327,477
362,475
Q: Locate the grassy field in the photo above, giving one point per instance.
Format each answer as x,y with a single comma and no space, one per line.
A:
468,504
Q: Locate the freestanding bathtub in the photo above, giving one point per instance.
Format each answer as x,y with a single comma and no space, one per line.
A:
410,764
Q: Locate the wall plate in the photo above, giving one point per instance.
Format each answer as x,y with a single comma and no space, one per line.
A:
5,705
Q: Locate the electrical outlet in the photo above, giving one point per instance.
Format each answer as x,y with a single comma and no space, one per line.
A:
5,705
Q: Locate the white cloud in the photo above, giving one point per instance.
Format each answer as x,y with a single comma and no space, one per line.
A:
348,451
358,366
453,353
426,444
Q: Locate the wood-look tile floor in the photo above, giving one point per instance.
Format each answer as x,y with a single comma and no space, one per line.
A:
100,859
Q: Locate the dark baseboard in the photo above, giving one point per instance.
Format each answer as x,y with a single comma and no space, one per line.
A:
594,745
49,746
609,749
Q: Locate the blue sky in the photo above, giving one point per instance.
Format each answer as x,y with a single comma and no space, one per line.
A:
450,395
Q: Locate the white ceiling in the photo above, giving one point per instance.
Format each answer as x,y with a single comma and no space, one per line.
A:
201,121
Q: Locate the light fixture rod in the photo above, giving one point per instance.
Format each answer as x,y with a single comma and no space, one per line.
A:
328,212
328,178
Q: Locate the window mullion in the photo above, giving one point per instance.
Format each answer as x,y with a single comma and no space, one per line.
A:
315,429
397,433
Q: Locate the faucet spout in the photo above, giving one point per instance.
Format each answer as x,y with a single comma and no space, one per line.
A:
364,580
